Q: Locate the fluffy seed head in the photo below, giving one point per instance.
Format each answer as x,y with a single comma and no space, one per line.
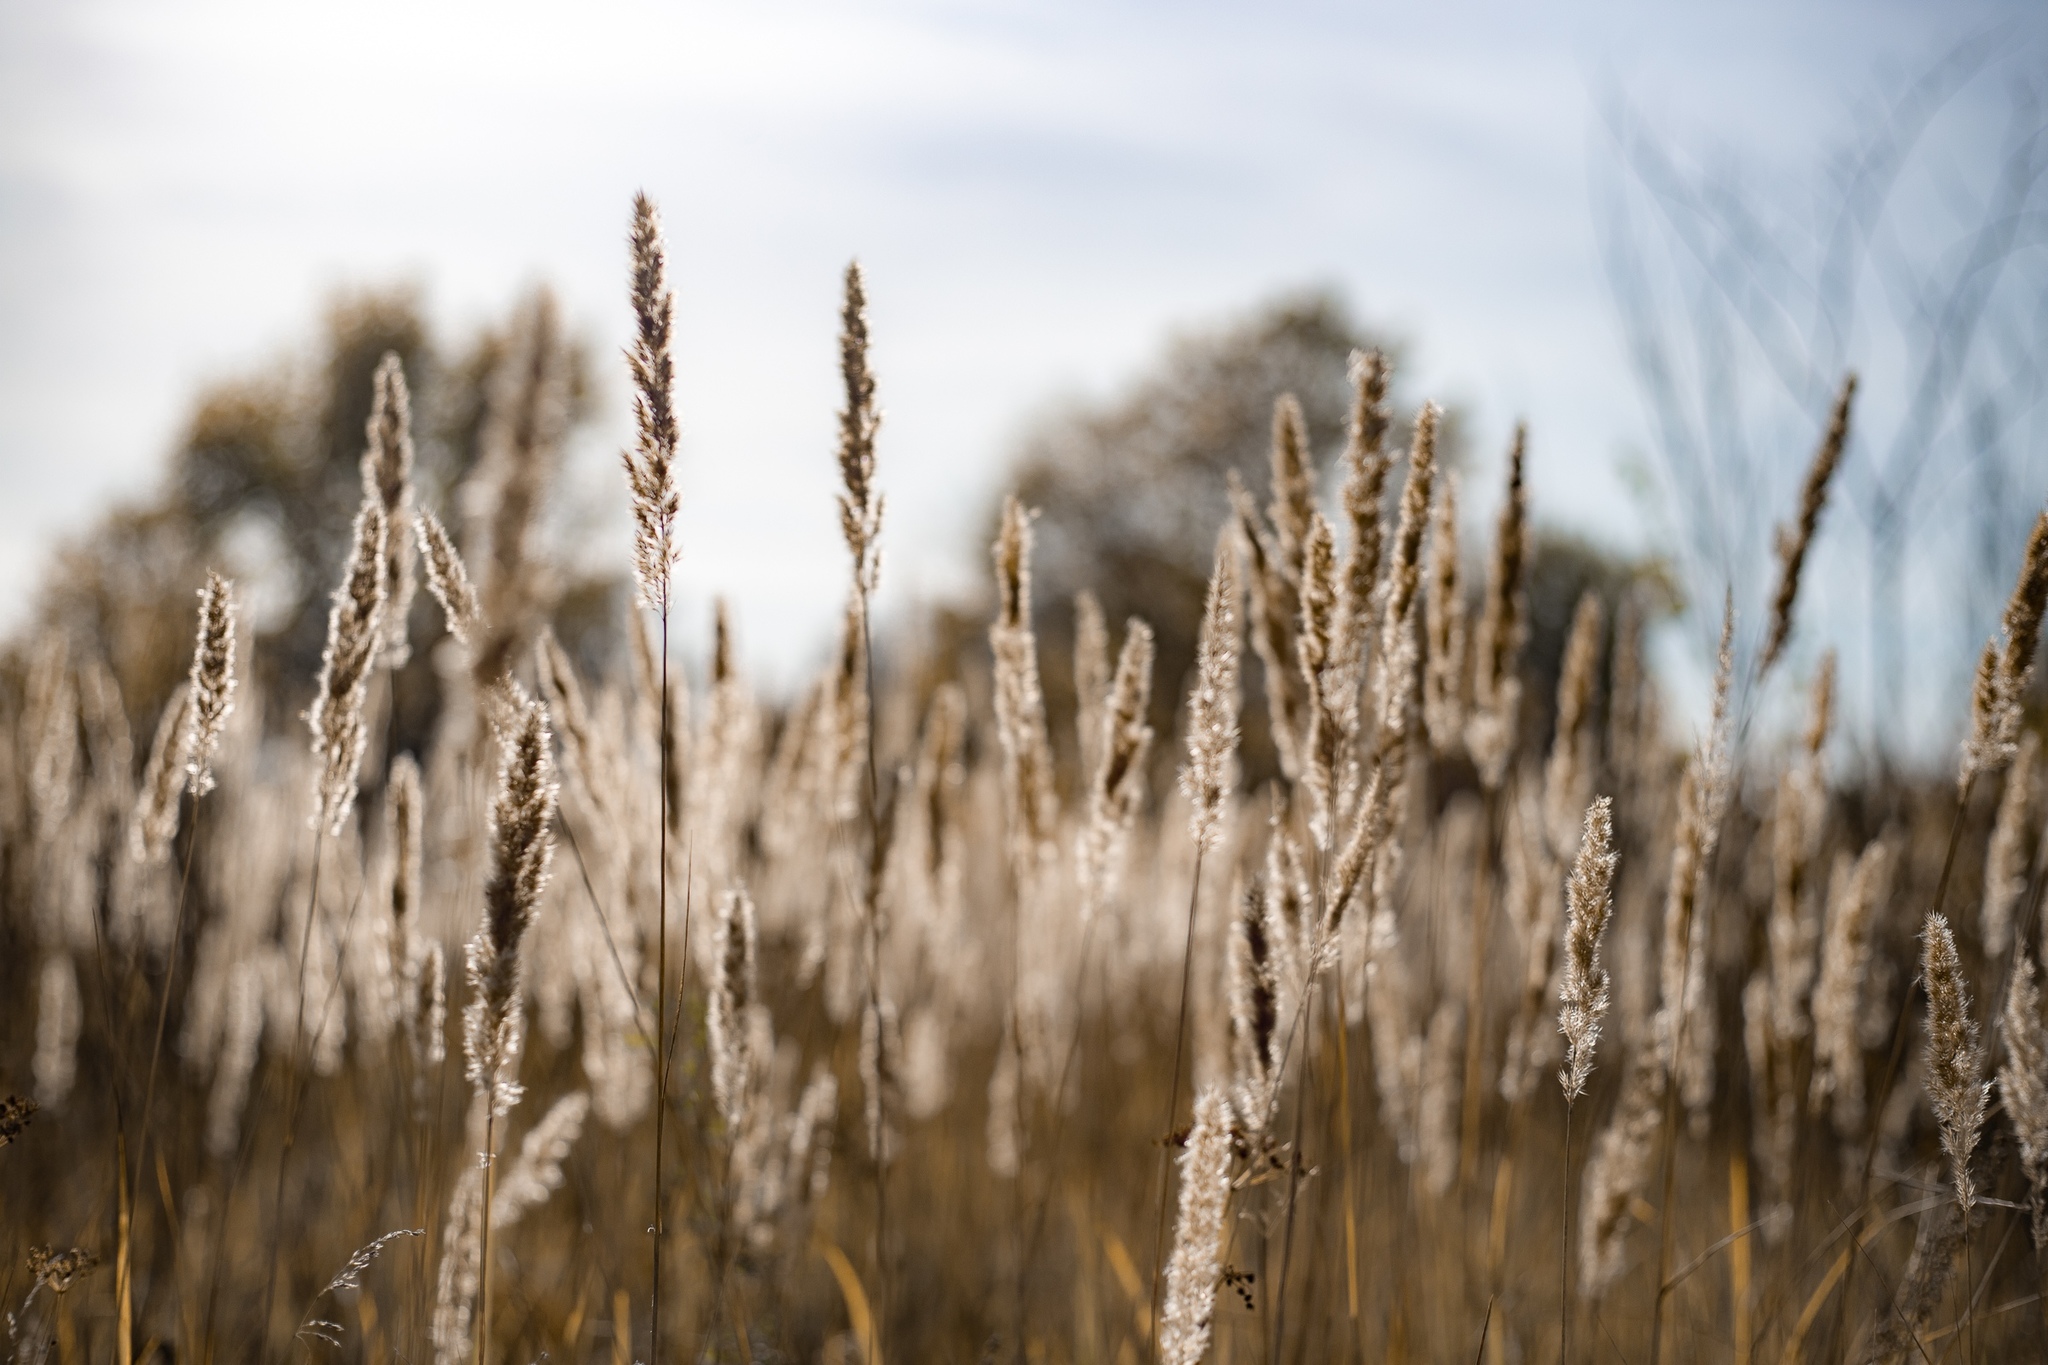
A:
211,682
1443,693
650,465
1020,702
387,477
1582,989
1794,542
2023,1084
1196,1266
860,505
1210,773
1955,1067
448,580
2003,672
1497,645
354,638
522,847
155,822
732,997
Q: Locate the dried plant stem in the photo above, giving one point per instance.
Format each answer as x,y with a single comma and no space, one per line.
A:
1564,1247
1350,1195
293,1086
1301,1104
660,1005
873,927
1670,1166
1180,1034
163,1009
1898,1052
1475,998
483,1255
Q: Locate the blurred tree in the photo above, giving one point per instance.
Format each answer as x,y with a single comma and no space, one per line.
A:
1132,491
264,484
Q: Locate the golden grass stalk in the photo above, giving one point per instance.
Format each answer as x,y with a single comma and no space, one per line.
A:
522,847
1568,769
1855,894
1321,675
2009,857
1955,1067
1445,672
860,504
1366,464
733,989
1399,649
1583,983
354,638
1118,786
1091,677
522,851
650,465
1254,1011
1210,774
1497,644
387,477
1020,703
1294,484
211,680
2023,1085
1275,612
154,823
2004,670
1207,779
1582,1004
1196,1267
448,580
1793,543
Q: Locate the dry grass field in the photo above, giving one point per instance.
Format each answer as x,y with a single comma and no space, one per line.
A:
634,1019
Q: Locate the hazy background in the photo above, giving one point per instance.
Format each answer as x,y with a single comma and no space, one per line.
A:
1040,193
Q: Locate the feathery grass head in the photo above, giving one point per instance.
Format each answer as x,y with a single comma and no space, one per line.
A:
733,991
1794,542
1116,787
2003,671
1955,1067
1273,591
155,822
448,580
860,505
1210,773
650,465
2023,1085
1366,464
1443,692
2009,857
354,638
387,477
1195,1267
1020,703
1582,989
212,680
1398,645
1497,644
522,847
1568,770
1294,483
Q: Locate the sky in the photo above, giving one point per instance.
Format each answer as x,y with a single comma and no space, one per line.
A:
1039,193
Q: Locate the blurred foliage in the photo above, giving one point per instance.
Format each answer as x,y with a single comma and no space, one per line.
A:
263,484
